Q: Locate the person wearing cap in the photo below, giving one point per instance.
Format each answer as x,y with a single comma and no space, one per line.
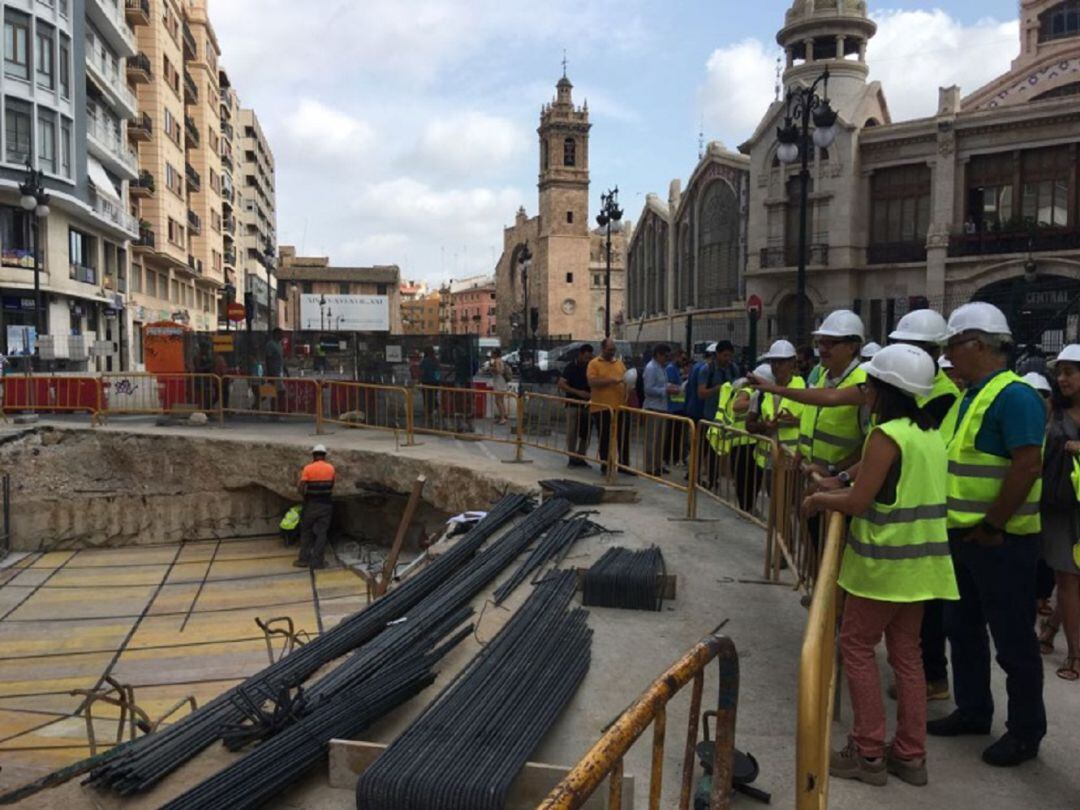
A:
927,329
316,485
869,350
995,487
733,409
777,415
945,365
1060,509
895,559
710,379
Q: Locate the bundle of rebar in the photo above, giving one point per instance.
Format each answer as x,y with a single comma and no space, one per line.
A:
576,492
466,749
282,758
141,763
555,543
626,579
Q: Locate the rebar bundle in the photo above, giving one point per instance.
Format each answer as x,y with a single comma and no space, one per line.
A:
465,750
576,492
141,763
626,579
554,544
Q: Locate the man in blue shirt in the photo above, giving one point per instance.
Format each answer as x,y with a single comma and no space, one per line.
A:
675,437
657,389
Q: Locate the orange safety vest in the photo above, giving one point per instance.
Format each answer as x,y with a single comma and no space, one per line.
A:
318,480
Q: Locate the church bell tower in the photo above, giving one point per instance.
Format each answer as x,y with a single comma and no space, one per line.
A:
564,164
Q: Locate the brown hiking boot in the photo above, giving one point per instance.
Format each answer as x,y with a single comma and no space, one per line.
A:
912,771
848,764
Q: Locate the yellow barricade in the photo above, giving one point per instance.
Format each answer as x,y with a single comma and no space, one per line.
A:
279,397
45,393
729,471
367,405
817,678
605,758
467,413
646,442
563,425
146,393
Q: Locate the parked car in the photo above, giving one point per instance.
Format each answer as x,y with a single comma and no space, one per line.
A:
559,357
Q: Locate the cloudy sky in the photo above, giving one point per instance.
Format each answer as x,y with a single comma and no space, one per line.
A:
404,130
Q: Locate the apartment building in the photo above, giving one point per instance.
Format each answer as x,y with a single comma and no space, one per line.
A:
420,315
66,104
229,110
473,306
256,214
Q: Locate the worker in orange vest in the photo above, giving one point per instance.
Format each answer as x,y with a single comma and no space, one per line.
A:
316,485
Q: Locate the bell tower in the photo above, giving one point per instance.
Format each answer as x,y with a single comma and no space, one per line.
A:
827,34
564,164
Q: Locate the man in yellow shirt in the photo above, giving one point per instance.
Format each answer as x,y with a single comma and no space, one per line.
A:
606,387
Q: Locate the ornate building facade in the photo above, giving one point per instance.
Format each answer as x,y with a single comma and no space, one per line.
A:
566,288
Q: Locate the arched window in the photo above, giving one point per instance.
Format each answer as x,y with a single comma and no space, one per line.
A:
600,321
1060,21
569,152
650,268
718,247
686,259
544,155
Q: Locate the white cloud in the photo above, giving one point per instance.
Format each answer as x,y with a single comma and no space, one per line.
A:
738,89
328,133
469,144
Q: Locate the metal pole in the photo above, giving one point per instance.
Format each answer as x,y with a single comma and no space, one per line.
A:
607,284
528,312
38,320
806,144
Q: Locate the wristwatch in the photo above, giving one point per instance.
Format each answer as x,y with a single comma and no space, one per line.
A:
844,478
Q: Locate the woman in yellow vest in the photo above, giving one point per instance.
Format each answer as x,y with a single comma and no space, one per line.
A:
896,558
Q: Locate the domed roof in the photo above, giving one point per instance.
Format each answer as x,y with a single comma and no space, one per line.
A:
810,8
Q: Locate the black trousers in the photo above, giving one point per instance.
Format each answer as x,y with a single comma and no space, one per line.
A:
997,589
935,664
314,529
747,475
602,427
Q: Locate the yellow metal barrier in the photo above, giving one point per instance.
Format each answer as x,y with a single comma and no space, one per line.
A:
467,413
145,393
605,758
563,425
45,393
645,440
729,471
278,397
367,405
817,677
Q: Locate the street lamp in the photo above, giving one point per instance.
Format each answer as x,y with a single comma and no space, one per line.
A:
36,201
322,313
524,261
609,212
796,140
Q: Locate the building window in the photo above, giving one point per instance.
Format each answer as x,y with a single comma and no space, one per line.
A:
65,67
343,288
47,142
1060,21
380,289
44,58
718,251
15,225
172,126
18,131
17,45
569,152
569,278
900,205
1047,186
173,181
569,217
176,232
136,278
65,147
82,256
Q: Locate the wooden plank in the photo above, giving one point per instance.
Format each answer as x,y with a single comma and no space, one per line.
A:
350,758
399,538
669,583
612,494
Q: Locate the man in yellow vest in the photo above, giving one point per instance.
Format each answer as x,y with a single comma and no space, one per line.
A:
994,489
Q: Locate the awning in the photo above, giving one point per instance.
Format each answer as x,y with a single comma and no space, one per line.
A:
100,178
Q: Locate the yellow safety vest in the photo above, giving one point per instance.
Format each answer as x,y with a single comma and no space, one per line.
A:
975,477
714,435
943,385
828,435
737,420
786,435
899,552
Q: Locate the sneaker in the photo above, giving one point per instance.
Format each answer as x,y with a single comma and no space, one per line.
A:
848,764
1009,751
935,690
912,771
957,724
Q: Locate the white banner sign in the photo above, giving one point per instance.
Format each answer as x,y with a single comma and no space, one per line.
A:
345,313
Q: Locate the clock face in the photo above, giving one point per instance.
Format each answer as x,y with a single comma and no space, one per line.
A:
568,306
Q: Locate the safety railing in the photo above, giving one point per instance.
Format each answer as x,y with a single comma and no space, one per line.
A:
366,405
565,426
39,393
605,758
133,393
733,466
470,413
274,397
642,439
817,677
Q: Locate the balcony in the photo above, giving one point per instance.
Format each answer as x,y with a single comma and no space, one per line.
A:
109,18
193,180
144,186
137,12
194,265
109,211
229,224
816,254
230,257
87,275
192,131
141,128
194,222
110,80
228,195
104,143
989,243
147,240
896,252
139,70
190,48
226,162
227,130
191,90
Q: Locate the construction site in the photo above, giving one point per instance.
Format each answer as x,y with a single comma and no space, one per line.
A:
494,629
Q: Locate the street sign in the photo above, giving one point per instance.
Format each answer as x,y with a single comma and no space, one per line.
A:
223,344
236,311
754,306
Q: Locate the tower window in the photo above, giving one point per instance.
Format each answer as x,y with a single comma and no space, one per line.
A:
569,278
1060,21
569,217
543,156
569,152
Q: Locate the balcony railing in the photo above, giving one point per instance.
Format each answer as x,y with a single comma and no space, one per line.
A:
227,130
146,239
194,222
111,212
228,194
192,130
144,186
229,223
230,257
87,275
110,20
190,49
105,70
138,11
816,254
139,68
194,181
896,252
997,242
108,139
226,162
191,90
141,128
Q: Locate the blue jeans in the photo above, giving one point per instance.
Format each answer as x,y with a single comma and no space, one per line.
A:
997,588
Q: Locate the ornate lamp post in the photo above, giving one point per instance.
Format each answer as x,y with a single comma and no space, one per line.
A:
36,201
524,262
797,139
609,213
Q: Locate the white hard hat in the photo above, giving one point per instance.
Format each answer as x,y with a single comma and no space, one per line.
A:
841,324
318,449
908,368
869,350
944,362
978,316
711,348
1037,381
1070,354
630,377
921,326
764,372
780,350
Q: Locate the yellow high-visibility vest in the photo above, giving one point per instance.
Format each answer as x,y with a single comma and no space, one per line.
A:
828,435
